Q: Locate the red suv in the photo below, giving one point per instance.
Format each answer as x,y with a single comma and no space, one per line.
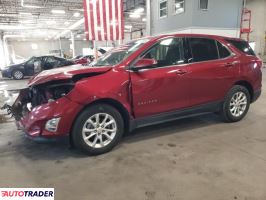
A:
144,82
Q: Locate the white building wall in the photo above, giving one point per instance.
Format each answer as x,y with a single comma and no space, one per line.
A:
221,18
228,32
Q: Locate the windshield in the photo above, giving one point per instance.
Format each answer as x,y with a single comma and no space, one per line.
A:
118,54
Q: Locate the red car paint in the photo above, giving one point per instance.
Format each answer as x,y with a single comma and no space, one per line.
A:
34,122
143,93
65,73
84,60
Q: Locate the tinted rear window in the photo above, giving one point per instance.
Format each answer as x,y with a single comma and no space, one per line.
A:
243,46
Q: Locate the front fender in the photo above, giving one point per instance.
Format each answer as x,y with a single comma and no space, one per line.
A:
20,68
111,85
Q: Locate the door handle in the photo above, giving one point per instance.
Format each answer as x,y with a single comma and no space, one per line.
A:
181,72
230,64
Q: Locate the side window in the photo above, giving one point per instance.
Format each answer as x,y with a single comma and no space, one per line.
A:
50,60
49,63
163,8
243,46
58,62
167,52
31,61
179,6
203,49
223,51
203,4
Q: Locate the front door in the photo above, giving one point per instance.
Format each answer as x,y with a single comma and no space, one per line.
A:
30,66
163,87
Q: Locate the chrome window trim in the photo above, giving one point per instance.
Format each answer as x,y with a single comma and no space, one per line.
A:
232,54
169,66
219,59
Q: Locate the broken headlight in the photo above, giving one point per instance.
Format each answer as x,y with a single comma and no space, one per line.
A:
41,94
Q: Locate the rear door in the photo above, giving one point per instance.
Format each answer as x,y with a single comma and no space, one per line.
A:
213,68
164,87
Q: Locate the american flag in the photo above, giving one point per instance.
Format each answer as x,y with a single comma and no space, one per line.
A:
104,19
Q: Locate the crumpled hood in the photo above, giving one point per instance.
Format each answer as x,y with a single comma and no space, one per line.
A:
66,73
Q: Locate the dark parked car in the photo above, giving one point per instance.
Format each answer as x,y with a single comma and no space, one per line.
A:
84,60
144,82
34,65
77,57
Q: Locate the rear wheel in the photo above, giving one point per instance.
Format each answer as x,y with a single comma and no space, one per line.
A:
236,104
17,75
98,129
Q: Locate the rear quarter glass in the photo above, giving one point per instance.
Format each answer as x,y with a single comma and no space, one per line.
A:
242,46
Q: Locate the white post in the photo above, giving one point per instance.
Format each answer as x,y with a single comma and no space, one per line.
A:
73,44
148,17
6,51
2,51
60,47
130,31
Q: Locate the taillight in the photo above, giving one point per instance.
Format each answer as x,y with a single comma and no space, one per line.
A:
260,63
257,64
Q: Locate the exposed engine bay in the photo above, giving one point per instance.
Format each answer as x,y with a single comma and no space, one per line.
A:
42,93
45,93
36,95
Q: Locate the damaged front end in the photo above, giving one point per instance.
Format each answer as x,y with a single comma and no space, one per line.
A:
39,109
37,95
47,107
17,110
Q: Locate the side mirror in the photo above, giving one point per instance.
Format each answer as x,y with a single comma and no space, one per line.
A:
144,63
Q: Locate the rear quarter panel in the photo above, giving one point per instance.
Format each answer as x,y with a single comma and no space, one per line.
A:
250,70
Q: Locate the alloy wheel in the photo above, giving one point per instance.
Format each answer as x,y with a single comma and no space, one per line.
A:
18,75
99,130
238,104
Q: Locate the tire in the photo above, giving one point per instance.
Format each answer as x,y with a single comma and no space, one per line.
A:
236,104
17,75
86,126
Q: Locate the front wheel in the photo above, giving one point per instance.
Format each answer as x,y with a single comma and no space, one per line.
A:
236,104
17,75
98,129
